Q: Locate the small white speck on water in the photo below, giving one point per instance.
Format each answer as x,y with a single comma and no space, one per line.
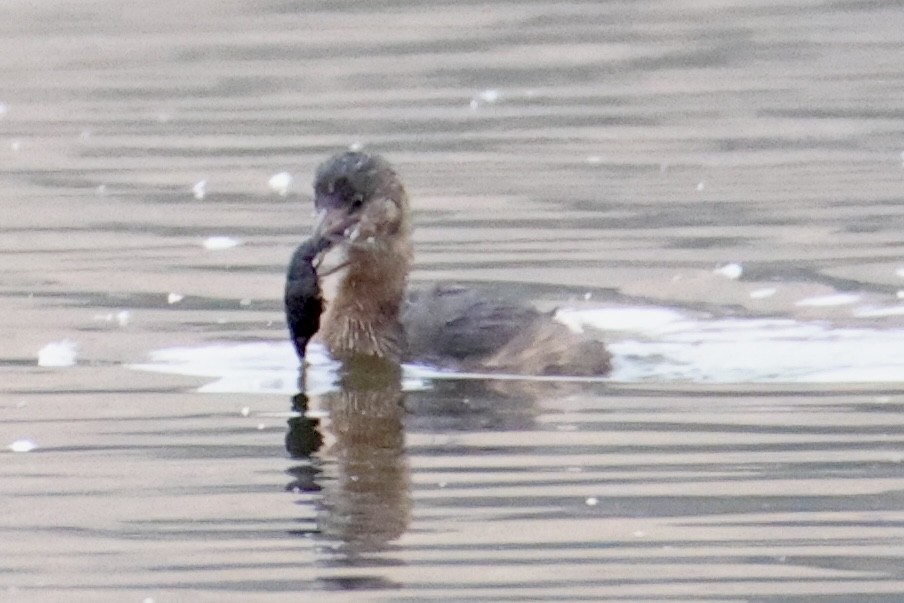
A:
101,190
573,469
4,108
174,298
280,183
123,317
762,293
21,404
22,445
701,185
58,354
591,501
261,427
442,484
15,146
822,301
356,146
872,312
148,600
245,302
354,478
245,411
567,427
639,534
594,159
731,271
490,96
883,399
900,272
588,296
218,243
199,189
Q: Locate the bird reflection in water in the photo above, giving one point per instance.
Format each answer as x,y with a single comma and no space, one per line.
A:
353,443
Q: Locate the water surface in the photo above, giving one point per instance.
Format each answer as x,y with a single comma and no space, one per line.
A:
614,160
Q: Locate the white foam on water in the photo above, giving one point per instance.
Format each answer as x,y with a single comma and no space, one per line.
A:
732,271
199,189
58,354
873,312
22,445
748,350
649,344
838,299
281,183
763,293
220,242
630,319
490,96
260,368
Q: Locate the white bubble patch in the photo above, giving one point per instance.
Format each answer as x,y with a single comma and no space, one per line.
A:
668,345
262,368
648,344
58,354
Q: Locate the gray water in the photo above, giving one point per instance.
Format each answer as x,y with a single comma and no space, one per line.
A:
606,158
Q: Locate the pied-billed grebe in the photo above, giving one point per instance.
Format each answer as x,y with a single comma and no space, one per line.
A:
363,210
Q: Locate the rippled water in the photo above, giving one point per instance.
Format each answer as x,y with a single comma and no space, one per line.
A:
714,187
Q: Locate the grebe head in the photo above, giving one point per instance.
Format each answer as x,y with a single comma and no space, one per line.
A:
360,201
